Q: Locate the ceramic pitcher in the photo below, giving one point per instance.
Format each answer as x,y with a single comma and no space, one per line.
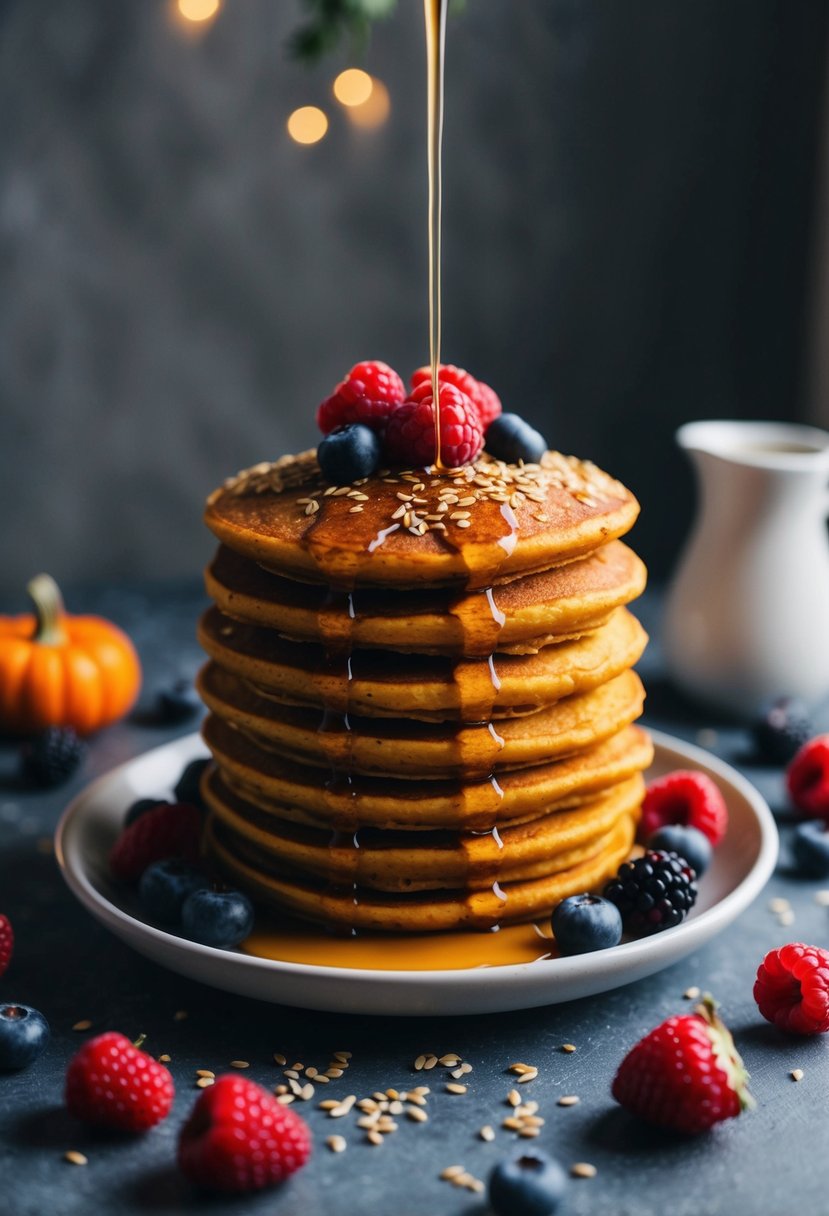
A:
747,616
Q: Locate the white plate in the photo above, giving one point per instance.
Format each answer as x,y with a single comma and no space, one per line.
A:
741,867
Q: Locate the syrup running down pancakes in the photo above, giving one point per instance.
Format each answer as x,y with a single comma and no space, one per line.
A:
421,694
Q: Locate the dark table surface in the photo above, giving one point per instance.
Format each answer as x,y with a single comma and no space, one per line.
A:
770,1162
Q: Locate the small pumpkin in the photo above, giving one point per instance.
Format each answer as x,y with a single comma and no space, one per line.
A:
57,669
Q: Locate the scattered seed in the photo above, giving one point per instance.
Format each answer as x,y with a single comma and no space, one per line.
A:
75,1158
374,1137
520,1068
528,1132
796,1074
279,1059
165,1059
822,898
311,1073
84,1024
299,1066
430,1062
416,1098
329,1104
692,993
321,1078
568,1047
205,1082
512,1123
779,905
451,1171
486,1132
514,1098
465,1068
367,1121
337,1144
396,1108
240,1064
416,1114
343,1107
452,1087
450,1061
280,1089
306,1093
568,1100
286,1099
419,1063
333,1073
292,1073
528,1076
785,918
204,1072
583,1169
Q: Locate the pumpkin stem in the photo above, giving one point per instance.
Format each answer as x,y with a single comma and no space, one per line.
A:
48,602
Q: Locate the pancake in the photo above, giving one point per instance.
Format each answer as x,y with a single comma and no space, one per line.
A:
503,903
416,749
421,861
475,526
307,795
537,609
419,687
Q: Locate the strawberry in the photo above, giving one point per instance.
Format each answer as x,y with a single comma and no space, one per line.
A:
111,1083
239,1138
685,1075
170,830
6,942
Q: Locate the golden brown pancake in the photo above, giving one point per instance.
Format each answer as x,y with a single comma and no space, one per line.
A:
375,683
504,903
478,525
308,795
418,749
422,861
537,609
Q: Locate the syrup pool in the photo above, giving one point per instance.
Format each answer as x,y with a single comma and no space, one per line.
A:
293,942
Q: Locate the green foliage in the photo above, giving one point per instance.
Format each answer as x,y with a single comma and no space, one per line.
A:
329,21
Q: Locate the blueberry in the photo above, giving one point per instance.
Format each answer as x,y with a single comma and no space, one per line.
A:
52,757
584,923
781,729
217,918
688,842
528,1183
23,1035
349,452
165,885
178,702
187,787
510,438
810,848
139,808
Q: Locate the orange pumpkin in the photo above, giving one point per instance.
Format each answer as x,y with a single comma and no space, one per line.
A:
63,670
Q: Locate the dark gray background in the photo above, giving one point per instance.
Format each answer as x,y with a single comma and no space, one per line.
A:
630,194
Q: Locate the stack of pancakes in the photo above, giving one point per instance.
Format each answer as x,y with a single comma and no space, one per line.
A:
420,690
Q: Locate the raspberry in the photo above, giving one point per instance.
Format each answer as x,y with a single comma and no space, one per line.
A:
410,433
369,393
685,1075
653,892
792,988
807,778
111,1083
687,797
6,942
172,829
485,399
239,1138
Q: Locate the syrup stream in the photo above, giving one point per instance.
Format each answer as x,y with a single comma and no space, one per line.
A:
435,15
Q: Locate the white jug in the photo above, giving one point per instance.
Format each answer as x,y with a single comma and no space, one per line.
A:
747,615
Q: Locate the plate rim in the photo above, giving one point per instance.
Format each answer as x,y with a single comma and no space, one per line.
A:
658,949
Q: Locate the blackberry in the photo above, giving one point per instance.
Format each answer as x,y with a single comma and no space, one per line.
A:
781,729
177,702
654,892
52,756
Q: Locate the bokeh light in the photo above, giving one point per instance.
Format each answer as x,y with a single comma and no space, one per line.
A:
353,87
375,110
198,10
307,125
